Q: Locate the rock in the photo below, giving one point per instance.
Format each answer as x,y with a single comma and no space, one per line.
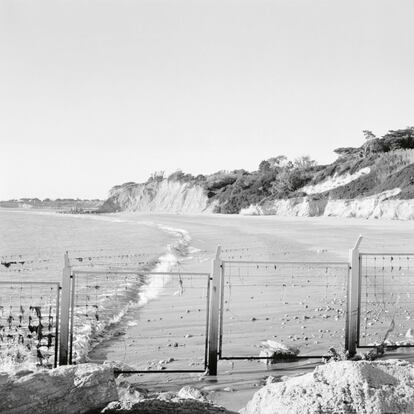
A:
277,352
166,396
341,387
130,393
156,406
118,366
4,378
270,380
188,392
68,389
188,400
23,372
116,406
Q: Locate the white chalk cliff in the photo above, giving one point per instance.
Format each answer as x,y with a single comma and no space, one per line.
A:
173,196
161,196
381,205
335,181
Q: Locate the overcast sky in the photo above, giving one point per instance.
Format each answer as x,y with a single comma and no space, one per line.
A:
95,93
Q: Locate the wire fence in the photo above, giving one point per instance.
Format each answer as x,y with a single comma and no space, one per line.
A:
386,299
114,260
252,253
301,304
29,320
296,303
22,265
50,265
99,300
103,300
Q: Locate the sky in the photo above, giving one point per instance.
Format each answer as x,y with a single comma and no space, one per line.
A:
94,93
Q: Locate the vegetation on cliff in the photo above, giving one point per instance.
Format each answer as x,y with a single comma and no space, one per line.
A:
390,160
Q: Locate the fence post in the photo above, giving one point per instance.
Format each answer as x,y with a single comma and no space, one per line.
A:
65,312
213,320
354,286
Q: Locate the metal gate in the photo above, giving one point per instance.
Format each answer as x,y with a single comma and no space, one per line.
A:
100,300
386,300
299,304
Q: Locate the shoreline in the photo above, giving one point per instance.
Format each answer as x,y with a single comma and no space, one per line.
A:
248,237
94,334
261,237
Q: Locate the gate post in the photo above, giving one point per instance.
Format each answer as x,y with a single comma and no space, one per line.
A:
353,300
65,312
213,320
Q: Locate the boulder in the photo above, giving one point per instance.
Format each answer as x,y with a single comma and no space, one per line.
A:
274,352
157,406
361,387
67,389
188,393
188,400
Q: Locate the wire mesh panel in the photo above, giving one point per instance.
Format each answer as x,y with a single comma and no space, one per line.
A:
258,252
35,266
386,300
154,316
113,259
29,319
99,300
298,304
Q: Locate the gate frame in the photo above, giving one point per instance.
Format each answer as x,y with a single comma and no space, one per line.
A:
214,314
357,329
64,356
353,300
66,342
269,262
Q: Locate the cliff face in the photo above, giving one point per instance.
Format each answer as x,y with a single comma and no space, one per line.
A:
375,180
383,205
176,197
158,196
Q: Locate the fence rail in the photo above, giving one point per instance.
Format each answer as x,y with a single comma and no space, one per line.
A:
365,302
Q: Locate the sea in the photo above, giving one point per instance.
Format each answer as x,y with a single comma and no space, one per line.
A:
33,245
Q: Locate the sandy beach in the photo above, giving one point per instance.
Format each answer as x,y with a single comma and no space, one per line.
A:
168,332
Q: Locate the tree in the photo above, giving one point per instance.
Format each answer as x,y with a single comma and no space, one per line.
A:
278,161
264,166
304,162
369,137
346,151
157,176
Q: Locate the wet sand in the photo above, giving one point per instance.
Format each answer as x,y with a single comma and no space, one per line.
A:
168,333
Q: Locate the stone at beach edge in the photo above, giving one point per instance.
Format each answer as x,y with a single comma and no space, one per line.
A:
277,352
68,389
342,388
157,406
187,400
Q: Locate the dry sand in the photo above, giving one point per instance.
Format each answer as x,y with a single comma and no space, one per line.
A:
169,332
